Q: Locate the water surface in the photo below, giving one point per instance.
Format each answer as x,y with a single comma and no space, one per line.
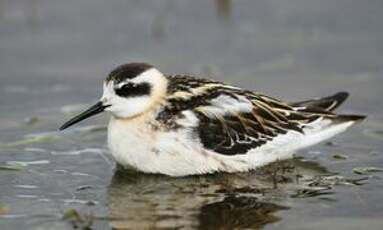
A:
55,54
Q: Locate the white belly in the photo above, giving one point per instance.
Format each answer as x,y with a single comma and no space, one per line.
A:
136,145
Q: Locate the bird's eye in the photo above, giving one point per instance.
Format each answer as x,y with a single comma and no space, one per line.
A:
128,85
131,89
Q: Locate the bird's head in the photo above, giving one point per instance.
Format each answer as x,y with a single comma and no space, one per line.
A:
130,90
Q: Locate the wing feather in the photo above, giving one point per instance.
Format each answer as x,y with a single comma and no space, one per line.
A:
233,121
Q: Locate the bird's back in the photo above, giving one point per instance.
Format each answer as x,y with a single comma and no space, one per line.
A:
231,121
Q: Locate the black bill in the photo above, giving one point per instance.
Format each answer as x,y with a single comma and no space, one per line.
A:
93,110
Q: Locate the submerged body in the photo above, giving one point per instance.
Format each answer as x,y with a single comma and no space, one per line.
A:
182,125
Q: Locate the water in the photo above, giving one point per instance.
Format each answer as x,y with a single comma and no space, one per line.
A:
55,54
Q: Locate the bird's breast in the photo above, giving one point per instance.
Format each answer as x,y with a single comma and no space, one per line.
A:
130,142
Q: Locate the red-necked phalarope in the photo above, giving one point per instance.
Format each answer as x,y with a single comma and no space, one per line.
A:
182,125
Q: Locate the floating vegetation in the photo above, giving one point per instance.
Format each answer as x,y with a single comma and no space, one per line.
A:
302,179
340,157
245,189
312,192
366,170
26,163
312,166
12,166
78,220
325,181
33,139
84,202
330,143
84,187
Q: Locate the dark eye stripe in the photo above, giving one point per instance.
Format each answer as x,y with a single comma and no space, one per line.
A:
133,90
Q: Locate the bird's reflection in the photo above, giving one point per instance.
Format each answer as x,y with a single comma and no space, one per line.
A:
221,201
237,212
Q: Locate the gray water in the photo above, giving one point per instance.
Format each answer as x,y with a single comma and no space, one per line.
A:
55,54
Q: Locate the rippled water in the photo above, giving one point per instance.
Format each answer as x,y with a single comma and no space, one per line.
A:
55,54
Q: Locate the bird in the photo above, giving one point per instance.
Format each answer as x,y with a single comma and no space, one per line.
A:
180,125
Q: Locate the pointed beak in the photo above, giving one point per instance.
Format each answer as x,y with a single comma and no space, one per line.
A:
93,110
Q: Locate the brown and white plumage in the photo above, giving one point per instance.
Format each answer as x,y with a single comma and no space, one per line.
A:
181,125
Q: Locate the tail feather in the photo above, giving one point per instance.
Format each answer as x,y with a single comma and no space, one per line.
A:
327,103
347,118
323,129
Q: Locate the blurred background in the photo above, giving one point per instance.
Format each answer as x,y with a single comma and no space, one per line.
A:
55,54
264,45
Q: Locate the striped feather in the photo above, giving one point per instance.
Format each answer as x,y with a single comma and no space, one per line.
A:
234,121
